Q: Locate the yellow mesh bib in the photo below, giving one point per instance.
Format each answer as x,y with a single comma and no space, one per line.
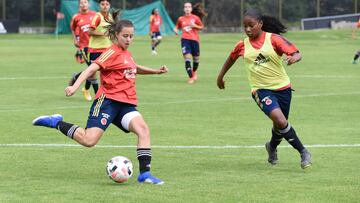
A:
264,66
98,42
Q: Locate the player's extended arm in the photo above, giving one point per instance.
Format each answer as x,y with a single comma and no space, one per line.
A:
145,70
70,90
227,65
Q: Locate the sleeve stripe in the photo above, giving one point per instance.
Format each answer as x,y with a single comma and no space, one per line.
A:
105,55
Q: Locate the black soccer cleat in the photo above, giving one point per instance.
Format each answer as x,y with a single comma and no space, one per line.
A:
273,159
305,159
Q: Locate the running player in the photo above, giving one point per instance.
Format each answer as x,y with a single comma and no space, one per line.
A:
98,41
115,101
155,24
80,25
357,55
190,25
270,85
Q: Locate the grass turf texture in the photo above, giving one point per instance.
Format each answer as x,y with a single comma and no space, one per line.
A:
325,110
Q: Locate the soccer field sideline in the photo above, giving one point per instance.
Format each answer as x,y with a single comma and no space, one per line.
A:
176,147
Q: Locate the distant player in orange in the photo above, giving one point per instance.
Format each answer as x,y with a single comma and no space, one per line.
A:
98,41
357,55
115,101
80,26
155,24
190,25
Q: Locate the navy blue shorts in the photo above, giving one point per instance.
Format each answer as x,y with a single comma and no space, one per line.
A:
190,47
105,111
94,56
269,100
156,35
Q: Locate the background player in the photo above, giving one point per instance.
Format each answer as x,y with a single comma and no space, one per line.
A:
190,25
98,41
357,55
155,24
115,101
80,25
270,85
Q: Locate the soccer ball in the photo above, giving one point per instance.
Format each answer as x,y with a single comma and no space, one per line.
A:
119,169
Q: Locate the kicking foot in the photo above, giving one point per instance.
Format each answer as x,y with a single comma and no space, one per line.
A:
48,121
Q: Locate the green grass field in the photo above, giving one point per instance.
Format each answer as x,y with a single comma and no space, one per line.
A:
325,111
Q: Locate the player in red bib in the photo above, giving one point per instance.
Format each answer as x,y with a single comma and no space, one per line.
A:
115,101
80,25
190,25
155,25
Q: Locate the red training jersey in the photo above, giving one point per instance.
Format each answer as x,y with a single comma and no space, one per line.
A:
279,43
80,24
184,23
117,75
155,23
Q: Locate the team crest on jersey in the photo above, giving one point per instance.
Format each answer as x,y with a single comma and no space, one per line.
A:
267,100
261,59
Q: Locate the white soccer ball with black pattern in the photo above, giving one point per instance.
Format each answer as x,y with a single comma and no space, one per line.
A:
119,169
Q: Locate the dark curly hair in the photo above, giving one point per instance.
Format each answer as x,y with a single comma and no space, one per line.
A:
270,24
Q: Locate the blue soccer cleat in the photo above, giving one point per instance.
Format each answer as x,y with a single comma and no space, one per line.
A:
146,177
48,121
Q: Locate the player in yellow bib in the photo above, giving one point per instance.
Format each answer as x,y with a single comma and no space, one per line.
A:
262,51
98,41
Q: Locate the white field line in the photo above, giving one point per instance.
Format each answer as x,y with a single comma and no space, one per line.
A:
180,102
204,76
174,147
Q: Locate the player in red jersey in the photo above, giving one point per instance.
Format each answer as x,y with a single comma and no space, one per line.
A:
115,101
155,25
190,25
98,41
80,26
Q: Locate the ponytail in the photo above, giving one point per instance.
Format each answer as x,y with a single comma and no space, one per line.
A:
270,24
199,10
273,25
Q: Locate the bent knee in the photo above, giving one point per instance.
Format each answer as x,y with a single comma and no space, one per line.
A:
280,123
89,143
